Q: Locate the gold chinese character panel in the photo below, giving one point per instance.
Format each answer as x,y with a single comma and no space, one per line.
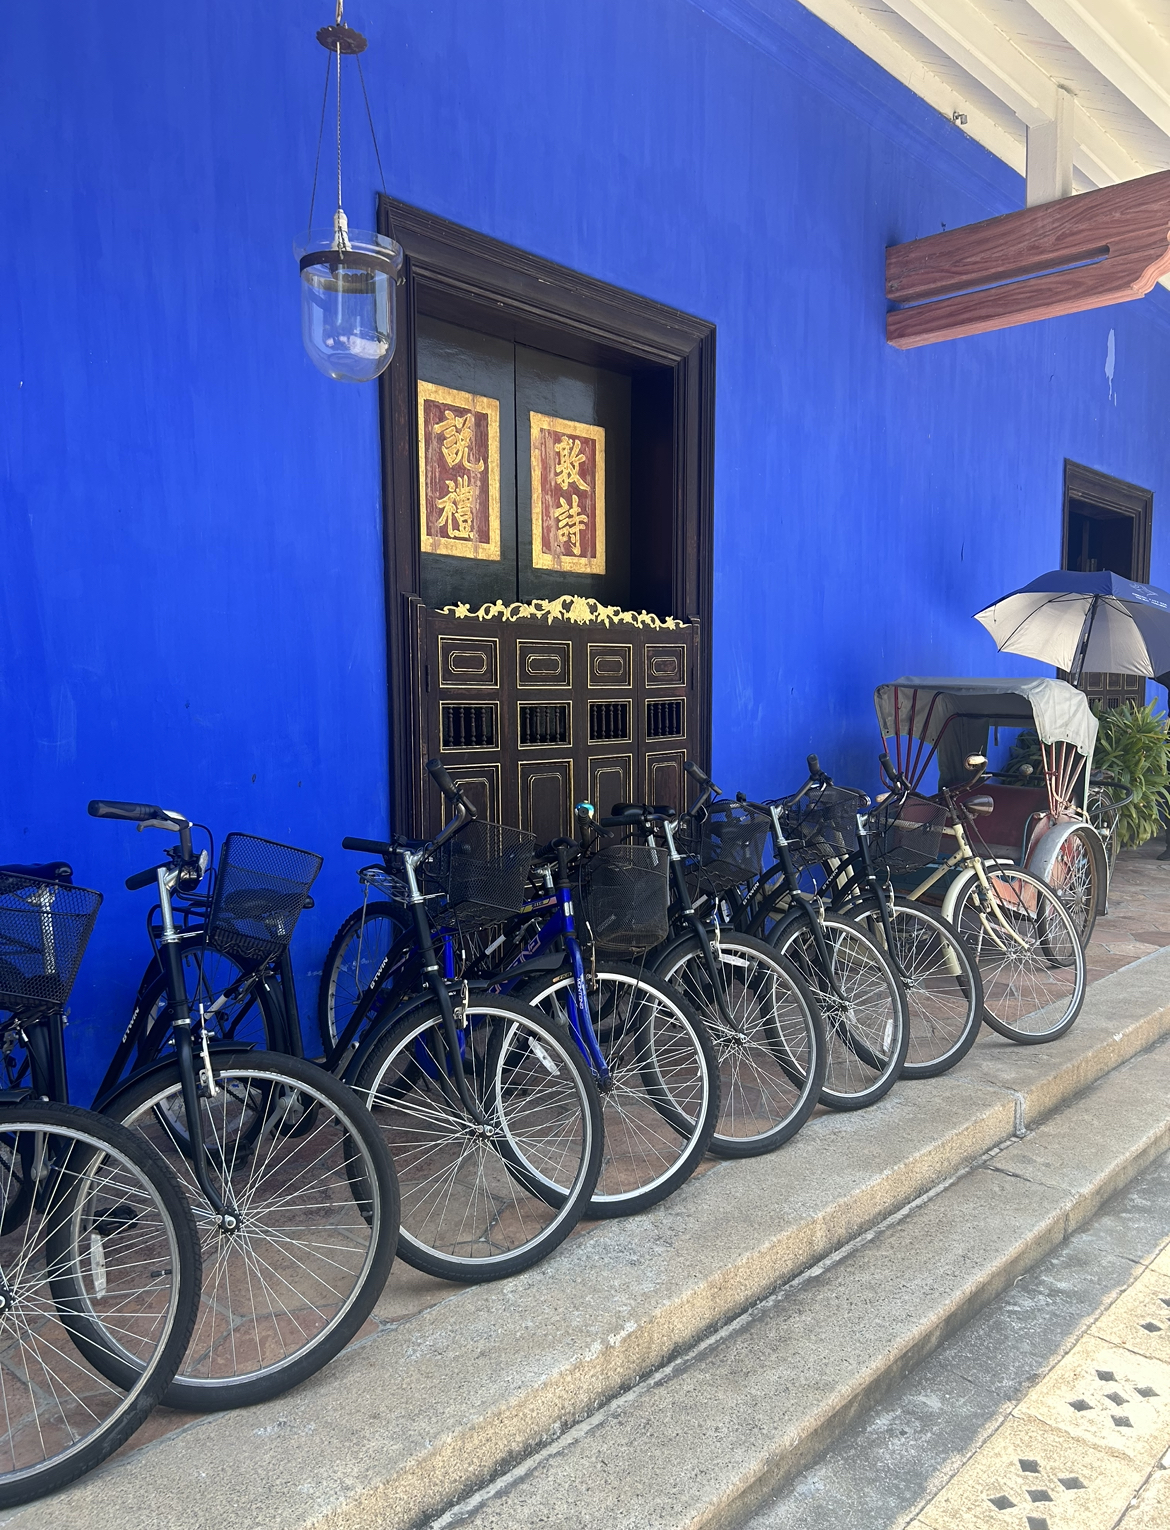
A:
568,495
459,472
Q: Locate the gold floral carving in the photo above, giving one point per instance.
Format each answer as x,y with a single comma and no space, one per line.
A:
581,610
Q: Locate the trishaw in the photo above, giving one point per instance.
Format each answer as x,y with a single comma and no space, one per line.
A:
1043,825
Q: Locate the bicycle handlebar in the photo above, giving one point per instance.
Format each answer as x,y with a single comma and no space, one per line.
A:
440,776
144,813
145,878
369,846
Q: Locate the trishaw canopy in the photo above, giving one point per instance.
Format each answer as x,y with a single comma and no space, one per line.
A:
925,708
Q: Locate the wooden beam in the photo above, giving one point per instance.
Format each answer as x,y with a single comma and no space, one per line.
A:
1107,246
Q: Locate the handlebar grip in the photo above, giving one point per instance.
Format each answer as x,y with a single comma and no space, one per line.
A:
134,812
367,846
143,878
814,764
696,773
442,779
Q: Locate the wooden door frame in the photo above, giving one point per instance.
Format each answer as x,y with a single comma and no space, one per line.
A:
464,277
1115,494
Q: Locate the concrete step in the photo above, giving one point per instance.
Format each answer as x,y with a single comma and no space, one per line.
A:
703,1443
408,1423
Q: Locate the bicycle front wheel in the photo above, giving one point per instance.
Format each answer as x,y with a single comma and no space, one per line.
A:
359,948
944,993
107,1235
485,1194
661,1103
297,1158
1028,950
772,1055
867,1022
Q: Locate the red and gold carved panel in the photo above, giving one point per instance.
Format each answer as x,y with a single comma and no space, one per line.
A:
568,495
459,472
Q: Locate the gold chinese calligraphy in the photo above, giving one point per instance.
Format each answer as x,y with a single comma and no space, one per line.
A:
459,472
568,495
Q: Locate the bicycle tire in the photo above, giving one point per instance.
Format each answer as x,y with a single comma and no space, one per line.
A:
353,958
661,1106
1074,878
944,992
1034,985
773,1070
103,1256
867,1029
482,1201
274,1120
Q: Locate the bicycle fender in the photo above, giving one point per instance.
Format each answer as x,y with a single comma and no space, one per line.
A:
1042,855
103,1102
375,1032
963,881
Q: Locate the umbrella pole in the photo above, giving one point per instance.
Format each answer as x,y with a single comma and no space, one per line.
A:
1083,646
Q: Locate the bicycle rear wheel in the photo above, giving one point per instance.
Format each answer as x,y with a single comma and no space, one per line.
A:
1029,953
109,1234
485,1198
772,1058
940,978
298,1157
866,1019
358,950
661,1105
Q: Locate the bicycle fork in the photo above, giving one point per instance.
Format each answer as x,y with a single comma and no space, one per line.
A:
226,1215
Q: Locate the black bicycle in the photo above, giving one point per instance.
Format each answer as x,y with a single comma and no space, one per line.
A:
97,1238
292,1188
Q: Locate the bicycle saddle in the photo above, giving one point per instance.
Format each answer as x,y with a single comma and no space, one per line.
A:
51,871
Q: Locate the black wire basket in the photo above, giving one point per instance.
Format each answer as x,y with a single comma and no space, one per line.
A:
906,833
260,890
821,828
44,929
483,871
625,897
726,848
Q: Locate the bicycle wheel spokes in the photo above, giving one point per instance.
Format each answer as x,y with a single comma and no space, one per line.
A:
944,996
660,1104
101,1265
288,1286
1029,955
482,1199
862,1004
771,1055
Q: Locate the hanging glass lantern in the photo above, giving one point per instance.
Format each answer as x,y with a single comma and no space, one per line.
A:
348,277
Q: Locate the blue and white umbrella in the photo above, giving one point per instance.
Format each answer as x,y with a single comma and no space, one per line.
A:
1084,622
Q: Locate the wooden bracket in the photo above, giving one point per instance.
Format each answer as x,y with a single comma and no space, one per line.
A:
1088,251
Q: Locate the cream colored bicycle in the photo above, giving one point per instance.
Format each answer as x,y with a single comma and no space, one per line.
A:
1029,953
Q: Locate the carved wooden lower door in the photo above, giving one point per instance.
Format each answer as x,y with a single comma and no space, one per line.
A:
532,716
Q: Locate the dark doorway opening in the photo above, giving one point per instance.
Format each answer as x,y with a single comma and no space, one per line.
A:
1107,526
508,359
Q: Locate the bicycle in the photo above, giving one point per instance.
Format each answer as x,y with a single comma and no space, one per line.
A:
1023,939
857,989
765,1023
937,972
291,1187
491,1111
651,1055
96,1234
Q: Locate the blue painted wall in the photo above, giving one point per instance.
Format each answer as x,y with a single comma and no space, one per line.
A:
190,571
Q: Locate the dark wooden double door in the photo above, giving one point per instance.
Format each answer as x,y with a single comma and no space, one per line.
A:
531,717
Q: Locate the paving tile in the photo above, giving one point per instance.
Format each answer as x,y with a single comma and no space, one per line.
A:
1140,1319
1110,1397
1032,1476
1152,1509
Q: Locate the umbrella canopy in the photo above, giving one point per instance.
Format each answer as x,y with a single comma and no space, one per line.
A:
1085,621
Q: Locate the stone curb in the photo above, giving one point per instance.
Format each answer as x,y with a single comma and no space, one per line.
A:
423,1414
